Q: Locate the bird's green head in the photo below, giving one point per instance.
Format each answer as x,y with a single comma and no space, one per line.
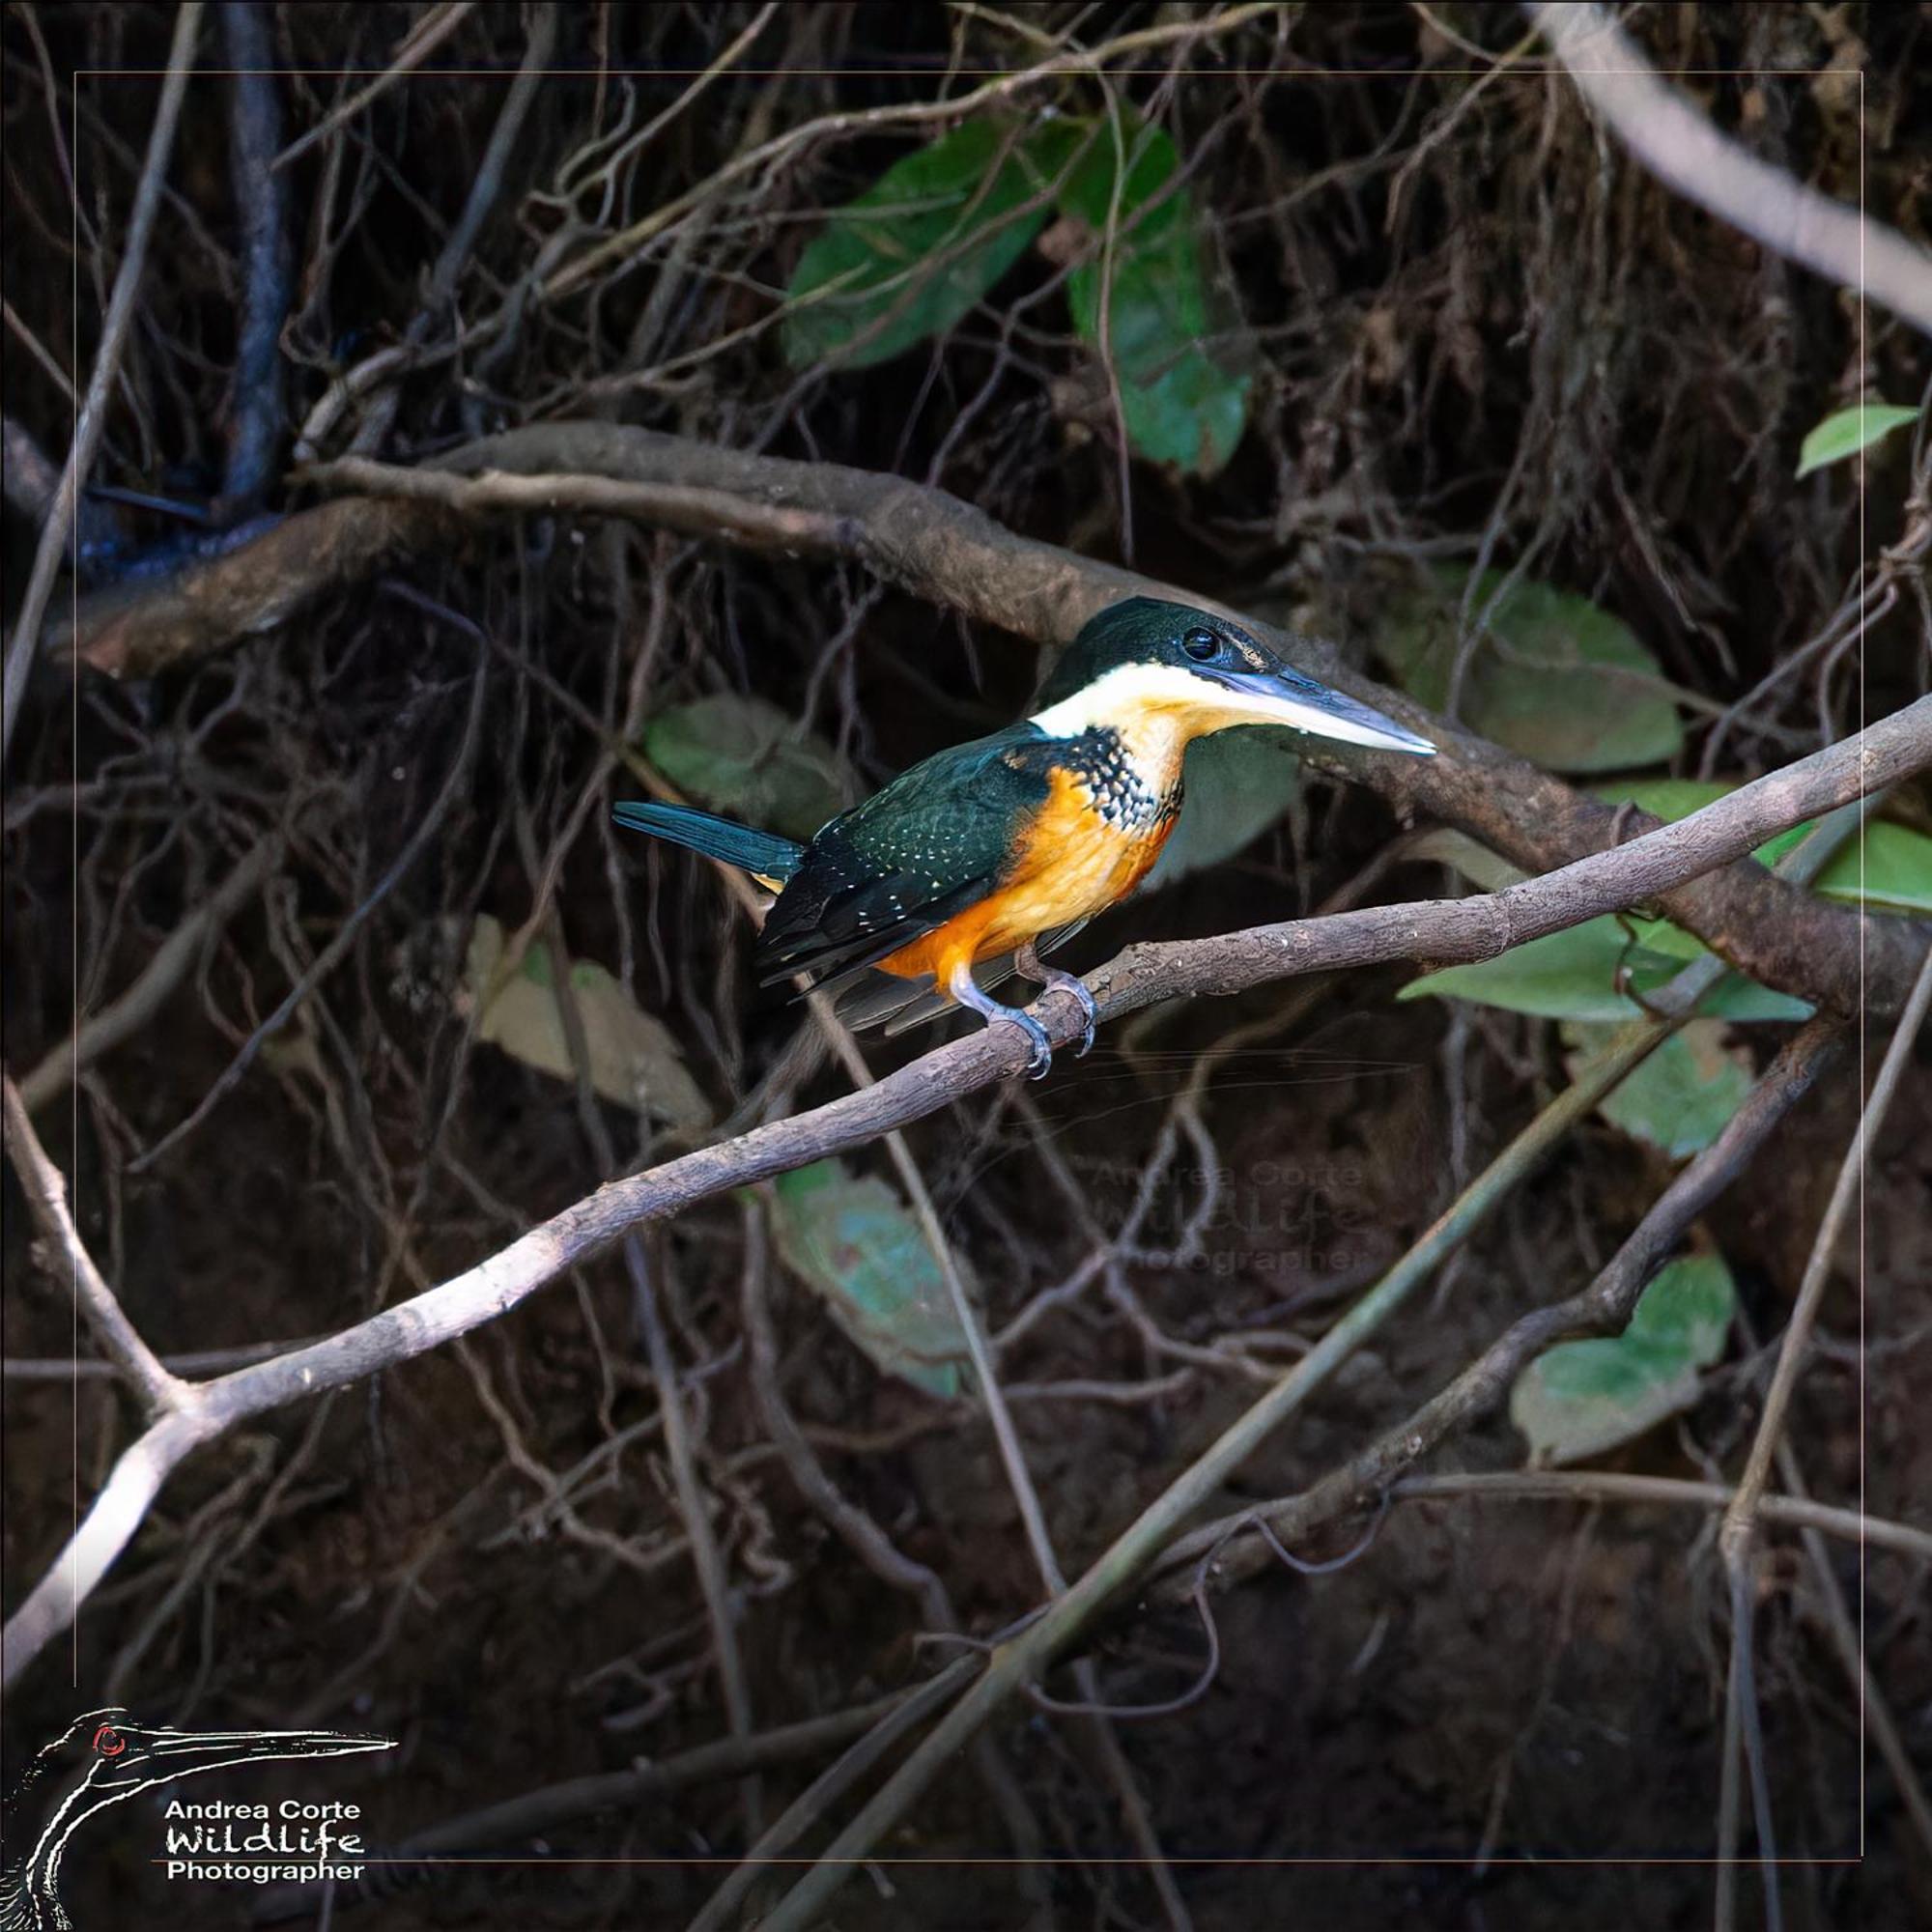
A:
1144,658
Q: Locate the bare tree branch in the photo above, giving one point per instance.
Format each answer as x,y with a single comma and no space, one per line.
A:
1687,153
47,1199
138,627
1464,929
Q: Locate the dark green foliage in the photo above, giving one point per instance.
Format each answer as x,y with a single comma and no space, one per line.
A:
907,259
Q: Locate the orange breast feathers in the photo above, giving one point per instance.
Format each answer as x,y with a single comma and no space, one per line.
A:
1072,865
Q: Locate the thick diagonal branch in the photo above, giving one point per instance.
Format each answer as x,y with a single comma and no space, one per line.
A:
1684,151
1460,929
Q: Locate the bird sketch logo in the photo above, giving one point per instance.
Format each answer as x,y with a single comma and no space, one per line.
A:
104,1758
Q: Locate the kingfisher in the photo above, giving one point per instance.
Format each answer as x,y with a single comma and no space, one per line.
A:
961,872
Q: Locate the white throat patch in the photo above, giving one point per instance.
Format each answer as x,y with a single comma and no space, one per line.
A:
1155,705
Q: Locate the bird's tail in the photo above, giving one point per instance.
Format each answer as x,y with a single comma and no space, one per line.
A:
766,856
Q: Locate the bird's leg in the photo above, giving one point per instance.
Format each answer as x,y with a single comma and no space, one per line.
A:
959,982
1028,960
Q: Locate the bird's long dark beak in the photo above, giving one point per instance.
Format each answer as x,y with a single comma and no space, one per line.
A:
1305,704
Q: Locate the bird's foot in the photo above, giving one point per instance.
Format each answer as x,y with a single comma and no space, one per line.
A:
960,983
1053,979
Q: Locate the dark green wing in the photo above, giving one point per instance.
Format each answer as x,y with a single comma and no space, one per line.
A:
931,844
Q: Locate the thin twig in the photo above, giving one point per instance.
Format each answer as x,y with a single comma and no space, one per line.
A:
484,190
619,250
1737,1536
424,42
1847,1639
1622,1486
160,1392
332,955
123,1018
52,548
55,374
634,144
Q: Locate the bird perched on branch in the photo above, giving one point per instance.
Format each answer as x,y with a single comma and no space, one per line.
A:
996,851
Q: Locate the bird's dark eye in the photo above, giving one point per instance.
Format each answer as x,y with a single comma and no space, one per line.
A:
1201,645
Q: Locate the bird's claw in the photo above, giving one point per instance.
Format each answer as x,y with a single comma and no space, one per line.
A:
1089,1014
1039,1061
1075,989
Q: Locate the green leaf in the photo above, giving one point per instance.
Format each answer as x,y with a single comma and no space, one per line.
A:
743,755
1887,867
1552,680
1573,975
1895,874
911,255
1235,785
1565,975
1169,326
1666,940
1689,1306
1846,432
1469,856
851,1238
1682,1097
634,1059
1581,1398
1667,798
